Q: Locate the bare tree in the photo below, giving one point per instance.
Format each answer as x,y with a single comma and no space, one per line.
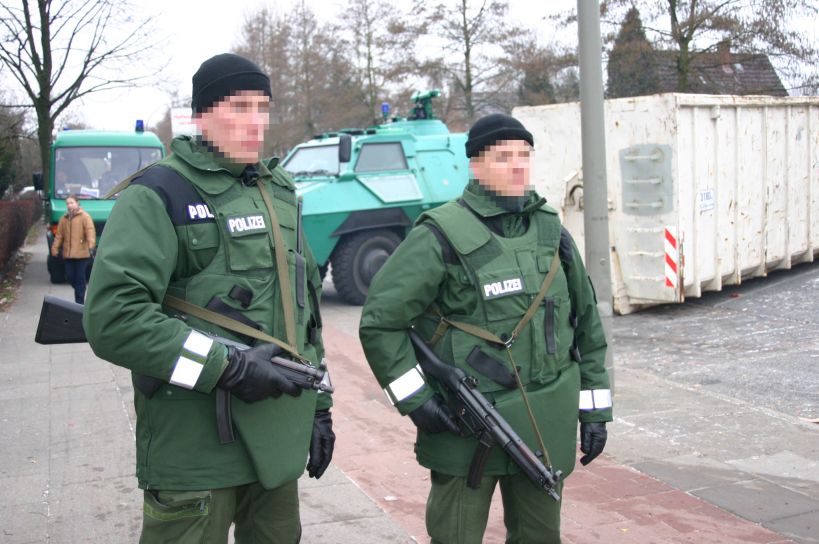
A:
61,51
475,37
315,86
382,39
11,134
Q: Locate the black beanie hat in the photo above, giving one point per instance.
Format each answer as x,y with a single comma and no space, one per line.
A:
224,75
493,128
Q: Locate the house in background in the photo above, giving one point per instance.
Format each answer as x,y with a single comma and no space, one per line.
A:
722,72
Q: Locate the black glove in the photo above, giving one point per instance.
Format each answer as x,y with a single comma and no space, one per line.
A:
252,377
321,444
592,440
434,417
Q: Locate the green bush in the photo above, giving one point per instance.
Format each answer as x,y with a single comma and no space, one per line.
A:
16,218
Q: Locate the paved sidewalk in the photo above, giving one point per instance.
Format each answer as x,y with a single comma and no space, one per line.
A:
66,465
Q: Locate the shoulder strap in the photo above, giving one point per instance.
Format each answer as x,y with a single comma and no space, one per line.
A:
281,268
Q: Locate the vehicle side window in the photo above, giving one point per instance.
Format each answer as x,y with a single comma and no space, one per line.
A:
382,156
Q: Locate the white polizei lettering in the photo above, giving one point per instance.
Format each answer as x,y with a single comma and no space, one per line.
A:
498,288
241,224
199,211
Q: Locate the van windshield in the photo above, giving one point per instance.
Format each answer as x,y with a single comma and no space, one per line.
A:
319,160
91,172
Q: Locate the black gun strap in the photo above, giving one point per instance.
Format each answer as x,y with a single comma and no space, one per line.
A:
490,367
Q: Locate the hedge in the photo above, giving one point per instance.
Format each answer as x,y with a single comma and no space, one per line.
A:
16,218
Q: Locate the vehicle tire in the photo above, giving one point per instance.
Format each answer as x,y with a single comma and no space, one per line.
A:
56,270
357,258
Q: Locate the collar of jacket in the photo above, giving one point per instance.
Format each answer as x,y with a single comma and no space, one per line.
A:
484,204
202,158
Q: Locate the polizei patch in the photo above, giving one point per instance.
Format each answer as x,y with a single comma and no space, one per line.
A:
502,288
199,212
246,224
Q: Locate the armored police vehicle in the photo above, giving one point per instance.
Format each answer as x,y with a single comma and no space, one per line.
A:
363,188
88,164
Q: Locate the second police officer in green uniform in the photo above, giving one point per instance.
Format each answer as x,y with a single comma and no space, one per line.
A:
469,271
212,226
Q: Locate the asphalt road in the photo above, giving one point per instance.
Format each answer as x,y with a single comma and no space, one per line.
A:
758,342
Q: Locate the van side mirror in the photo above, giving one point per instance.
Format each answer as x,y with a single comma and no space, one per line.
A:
345,148
37,181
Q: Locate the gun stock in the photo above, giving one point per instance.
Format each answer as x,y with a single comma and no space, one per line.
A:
60,322
481,418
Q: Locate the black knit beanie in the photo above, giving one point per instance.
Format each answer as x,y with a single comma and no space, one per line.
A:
224,75
493,128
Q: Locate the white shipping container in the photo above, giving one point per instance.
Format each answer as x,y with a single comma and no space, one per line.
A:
704,190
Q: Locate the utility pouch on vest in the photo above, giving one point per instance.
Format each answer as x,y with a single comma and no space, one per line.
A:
491,367
301,271
217,305
549,326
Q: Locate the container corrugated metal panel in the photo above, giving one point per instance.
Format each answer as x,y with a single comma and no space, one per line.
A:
735,180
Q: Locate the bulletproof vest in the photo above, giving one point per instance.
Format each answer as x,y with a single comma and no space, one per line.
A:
225,259
506,274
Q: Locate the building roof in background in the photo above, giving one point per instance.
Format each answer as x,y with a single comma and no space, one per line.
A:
721,73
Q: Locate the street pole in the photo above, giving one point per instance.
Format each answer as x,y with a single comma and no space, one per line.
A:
595,189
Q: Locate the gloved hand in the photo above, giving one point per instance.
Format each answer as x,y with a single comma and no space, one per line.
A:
252,377
434,417
321,444
592,440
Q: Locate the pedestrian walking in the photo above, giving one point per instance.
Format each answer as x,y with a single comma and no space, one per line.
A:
76,238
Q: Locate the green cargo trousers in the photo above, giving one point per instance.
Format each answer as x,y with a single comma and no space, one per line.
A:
262,516
457,514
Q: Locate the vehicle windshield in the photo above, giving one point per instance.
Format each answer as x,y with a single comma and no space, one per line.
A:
91,172
319,160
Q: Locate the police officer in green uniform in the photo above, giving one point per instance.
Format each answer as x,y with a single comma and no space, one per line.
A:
215,228
468,273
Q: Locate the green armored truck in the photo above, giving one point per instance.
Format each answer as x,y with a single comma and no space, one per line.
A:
90,163
363,188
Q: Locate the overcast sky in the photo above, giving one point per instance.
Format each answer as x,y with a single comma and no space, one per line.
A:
197,30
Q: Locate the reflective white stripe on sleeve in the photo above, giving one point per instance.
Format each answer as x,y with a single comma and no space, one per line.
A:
186,372
198,344
595,399
405,386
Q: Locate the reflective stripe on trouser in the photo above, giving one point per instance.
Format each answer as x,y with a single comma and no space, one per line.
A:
457,514
262,516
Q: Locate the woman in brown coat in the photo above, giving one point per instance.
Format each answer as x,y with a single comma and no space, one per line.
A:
76,237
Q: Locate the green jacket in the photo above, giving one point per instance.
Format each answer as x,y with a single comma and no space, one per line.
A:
205,240
443,271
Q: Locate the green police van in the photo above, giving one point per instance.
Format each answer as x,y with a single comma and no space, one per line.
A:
363,188
89,164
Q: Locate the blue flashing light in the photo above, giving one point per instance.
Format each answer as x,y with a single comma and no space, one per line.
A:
140,126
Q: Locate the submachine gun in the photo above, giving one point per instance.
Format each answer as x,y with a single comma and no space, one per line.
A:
61,323
480,417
